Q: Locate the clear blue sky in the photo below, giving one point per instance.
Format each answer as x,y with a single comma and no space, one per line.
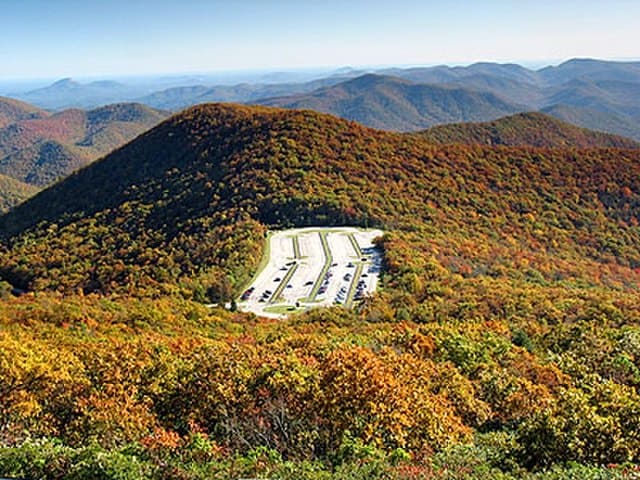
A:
56,38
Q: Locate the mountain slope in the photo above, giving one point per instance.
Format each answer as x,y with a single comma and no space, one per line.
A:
596,120
390,103
519,92
534,129
606,96
41,150
577,68
13,192
12,111
190,200
509,309
43,162
610,90
591,69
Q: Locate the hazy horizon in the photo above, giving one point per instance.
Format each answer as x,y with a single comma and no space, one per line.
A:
232,77
117,39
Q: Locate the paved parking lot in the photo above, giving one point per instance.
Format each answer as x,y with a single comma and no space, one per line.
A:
314,267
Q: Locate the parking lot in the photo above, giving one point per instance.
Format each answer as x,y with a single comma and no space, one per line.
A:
314,267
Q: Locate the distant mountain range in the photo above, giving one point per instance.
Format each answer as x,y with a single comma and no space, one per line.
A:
178,98
68,93
595,94
37,147
391,103
526,129
176,91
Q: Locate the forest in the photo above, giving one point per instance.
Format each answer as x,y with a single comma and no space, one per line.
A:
504,342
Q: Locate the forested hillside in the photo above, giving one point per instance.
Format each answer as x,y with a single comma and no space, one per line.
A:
12,111
391,103
503,344
42,148
532,128
12,192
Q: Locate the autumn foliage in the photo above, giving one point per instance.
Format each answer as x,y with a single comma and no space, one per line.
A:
504,341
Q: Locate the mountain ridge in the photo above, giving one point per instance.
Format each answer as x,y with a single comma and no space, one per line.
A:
611,93
179,192
68,93
576,84
40,150
12,111
530,128
391,103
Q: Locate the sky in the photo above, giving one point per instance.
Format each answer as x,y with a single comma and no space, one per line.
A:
81,38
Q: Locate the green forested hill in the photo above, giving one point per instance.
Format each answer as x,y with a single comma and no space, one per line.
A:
503,343
533,129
